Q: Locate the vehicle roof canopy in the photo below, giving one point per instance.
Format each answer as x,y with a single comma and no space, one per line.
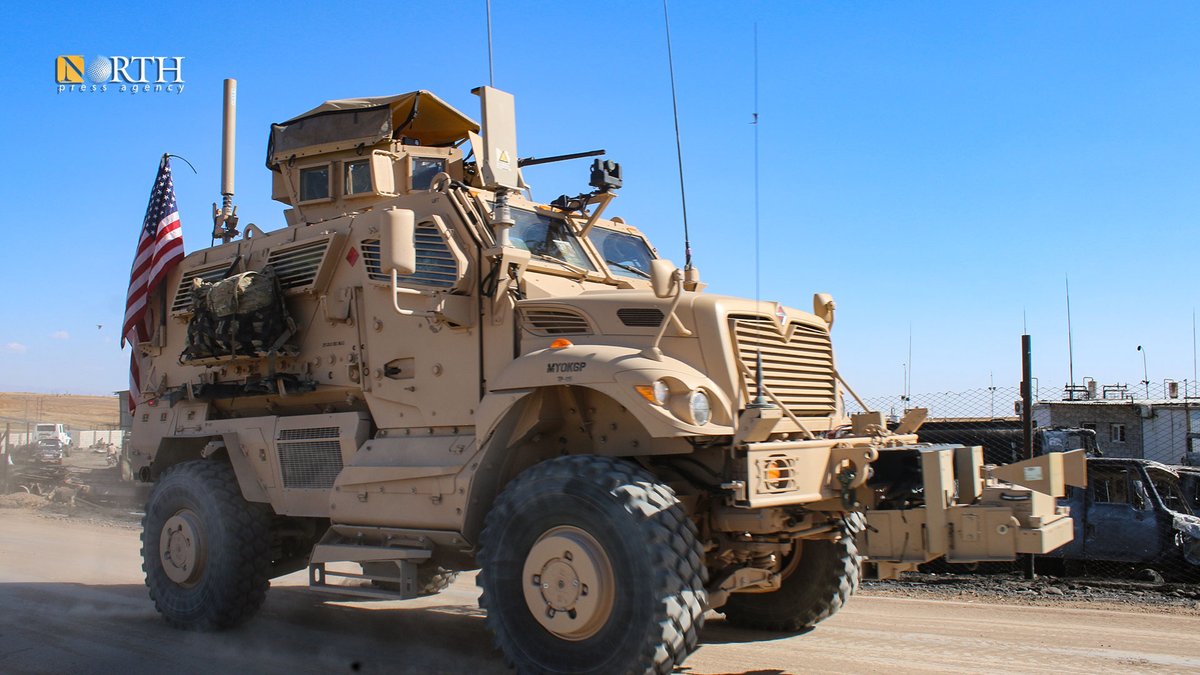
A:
347,123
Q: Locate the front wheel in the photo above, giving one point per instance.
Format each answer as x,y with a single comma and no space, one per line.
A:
205,549
818,578
589,565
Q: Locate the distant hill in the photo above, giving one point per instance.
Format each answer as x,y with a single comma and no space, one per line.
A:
77,412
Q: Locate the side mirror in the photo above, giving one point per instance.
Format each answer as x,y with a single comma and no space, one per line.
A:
662,273
397,250
823,307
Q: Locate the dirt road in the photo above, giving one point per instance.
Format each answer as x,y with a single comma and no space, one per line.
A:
72,600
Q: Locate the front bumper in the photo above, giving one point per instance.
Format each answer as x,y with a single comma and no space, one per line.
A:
786,473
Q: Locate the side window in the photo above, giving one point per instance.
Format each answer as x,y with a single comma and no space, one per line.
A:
436,264
1169,490
1109,486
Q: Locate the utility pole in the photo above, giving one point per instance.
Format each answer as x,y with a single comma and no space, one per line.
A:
992,391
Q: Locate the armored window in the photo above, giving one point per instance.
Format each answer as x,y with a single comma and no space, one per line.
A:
1116,433
314,183
423,171
357,177
548,238
625,254
1089,425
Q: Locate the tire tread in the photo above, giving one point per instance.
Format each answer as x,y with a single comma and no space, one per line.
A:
680,576
242,570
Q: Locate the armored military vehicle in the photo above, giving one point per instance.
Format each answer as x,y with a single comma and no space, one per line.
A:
426,371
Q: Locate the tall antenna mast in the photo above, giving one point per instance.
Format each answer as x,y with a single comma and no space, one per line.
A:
757,247
687,242
225,218
1070,341
491,71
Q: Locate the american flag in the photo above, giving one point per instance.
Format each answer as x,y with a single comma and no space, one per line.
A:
159,250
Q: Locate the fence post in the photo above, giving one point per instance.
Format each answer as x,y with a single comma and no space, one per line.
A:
5,458
1027,416
1027,393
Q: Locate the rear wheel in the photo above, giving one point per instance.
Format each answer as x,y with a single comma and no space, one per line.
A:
814,588
589,565
205,549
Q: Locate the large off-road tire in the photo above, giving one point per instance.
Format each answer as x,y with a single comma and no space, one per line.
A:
590,565
205,549
814,588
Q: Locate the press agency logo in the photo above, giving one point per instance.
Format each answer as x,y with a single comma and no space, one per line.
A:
122,74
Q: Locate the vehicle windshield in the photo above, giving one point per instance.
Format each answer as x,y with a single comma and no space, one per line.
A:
548,238
1167,485
625,254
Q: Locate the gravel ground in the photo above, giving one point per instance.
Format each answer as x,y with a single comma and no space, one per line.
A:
80,512
1013,589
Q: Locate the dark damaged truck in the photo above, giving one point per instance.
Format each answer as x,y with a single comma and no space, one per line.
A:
1133,511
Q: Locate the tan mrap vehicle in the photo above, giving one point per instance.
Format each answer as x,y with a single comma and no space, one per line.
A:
426,372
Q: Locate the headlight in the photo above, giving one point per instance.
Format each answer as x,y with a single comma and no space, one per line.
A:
657,393
699,408
661,392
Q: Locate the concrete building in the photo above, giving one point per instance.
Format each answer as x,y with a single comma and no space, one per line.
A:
1160,429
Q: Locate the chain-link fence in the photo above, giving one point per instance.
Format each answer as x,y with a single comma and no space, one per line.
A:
1136,518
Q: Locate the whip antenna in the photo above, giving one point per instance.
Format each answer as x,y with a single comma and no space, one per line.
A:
1070,340
757,247
687,243
759,401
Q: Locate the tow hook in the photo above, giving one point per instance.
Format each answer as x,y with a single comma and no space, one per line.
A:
846,476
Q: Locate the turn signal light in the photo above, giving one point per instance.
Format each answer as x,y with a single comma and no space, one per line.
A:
561,343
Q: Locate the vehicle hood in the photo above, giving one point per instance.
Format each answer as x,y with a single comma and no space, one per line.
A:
1189,525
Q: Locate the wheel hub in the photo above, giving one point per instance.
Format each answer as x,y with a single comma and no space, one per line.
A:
181,548
568,583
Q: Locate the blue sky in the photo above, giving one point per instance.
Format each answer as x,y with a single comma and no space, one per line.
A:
942,166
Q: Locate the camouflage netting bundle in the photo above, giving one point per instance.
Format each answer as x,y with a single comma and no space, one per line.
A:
243,315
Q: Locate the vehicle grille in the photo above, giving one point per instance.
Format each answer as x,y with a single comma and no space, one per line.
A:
554,322
297,267
648,317
183,294
309,458
436,265
799,371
